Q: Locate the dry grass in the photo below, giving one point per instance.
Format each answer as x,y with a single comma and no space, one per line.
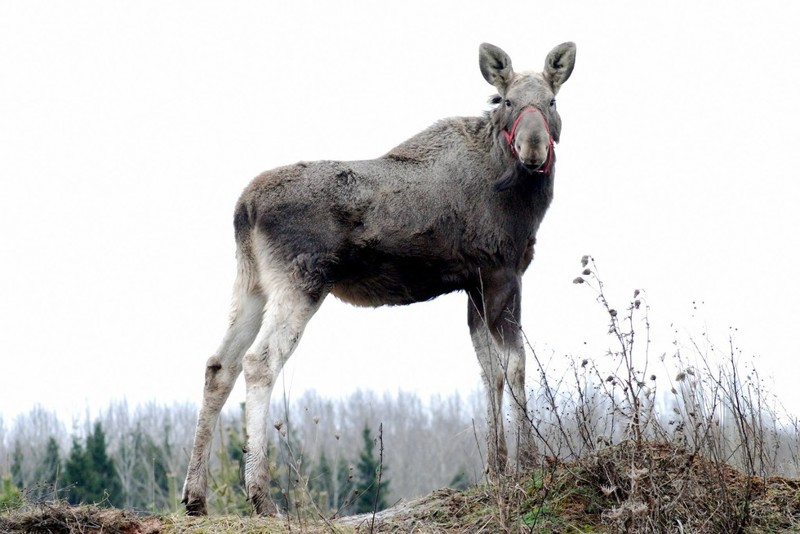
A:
57,518
621,489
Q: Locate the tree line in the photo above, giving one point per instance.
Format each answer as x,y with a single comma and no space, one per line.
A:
351,455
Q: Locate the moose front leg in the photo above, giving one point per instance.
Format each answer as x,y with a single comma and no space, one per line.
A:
493,380
515,373
507,334
494,320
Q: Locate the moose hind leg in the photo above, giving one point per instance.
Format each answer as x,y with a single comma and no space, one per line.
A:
288,311
222,370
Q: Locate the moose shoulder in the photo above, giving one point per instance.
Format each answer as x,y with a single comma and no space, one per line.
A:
455,207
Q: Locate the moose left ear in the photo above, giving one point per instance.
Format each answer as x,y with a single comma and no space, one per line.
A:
559,64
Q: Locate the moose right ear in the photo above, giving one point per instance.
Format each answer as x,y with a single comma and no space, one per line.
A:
495,67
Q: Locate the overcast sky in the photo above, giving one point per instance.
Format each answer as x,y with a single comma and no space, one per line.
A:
128,130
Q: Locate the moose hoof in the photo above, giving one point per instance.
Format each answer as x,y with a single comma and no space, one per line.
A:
263,505
195,507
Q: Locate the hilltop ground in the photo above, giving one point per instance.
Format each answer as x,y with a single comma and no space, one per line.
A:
625,488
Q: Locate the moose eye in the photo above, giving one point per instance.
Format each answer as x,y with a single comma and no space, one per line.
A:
552,102
507,102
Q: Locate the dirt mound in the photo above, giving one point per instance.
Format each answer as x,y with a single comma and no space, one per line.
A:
62,518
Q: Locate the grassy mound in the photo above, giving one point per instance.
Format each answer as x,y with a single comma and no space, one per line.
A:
646,487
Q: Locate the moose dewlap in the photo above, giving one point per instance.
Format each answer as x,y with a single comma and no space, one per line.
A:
456,207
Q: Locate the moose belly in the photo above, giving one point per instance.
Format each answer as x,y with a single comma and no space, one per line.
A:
377,280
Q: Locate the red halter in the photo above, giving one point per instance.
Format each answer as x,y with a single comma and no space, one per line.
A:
510,136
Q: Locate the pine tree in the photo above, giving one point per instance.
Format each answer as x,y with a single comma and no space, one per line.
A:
151,471
10,495
460,481
345,485
108,483
77,474
321,484
17,475
370,494
46,476
91,471
226,479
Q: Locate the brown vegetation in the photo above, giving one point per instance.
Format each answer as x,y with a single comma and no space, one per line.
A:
606,493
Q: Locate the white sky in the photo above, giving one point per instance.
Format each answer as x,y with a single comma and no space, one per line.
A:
128,130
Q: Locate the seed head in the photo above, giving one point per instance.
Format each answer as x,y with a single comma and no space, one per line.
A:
636,474
578,280
584,260
277,424
608,490
638,508
316,419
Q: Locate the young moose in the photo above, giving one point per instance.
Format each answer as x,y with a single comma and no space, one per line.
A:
455,207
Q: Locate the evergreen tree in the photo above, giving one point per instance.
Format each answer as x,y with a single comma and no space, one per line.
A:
17,475
77,474
226,479
345,485
47,473
321,484
91,471
460,481
151,472
10,495
370,495
108,484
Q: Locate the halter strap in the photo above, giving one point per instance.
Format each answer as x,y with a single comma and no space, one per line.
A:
510,136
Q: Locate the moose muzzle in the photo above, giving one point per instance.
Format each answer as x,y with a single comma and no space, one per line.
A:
530,140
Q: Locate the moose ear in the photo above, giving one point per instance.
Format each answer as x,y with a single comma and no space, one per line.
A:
495,67
558,65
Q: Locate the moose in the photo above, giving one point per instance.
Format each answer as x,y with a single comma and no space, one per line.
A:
456,207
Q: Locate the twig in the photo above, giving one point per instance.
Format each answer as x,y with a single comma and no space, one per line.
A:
380,474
